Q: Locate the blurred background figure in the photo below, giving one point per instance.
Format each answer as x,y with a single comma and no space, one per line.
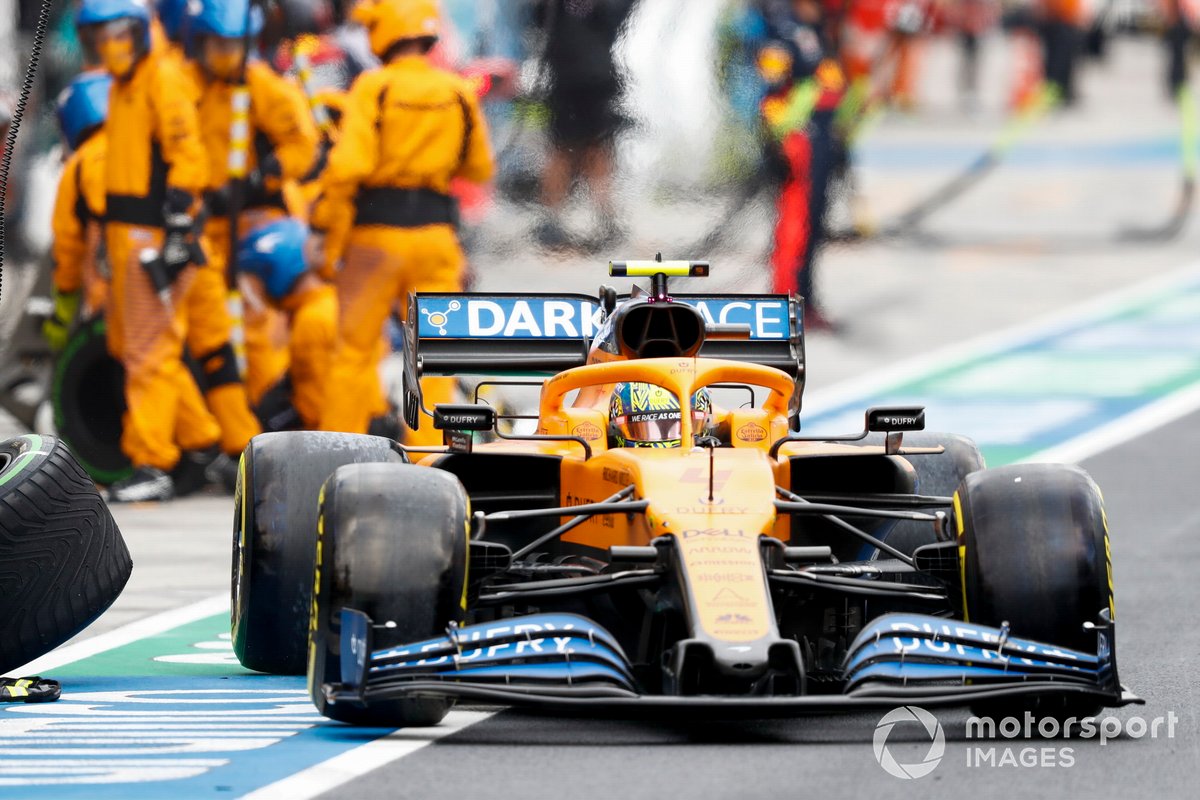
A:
81,275
1062,23
153,182
1025,43
583,88
1178,32
971,19
259,136
906,21
805,86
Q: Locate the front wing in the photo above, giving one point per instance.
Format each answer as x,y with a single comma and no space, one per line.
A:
570,662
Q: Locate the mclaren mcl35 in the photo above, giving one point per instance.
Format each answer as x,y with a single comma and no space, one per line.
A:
661,537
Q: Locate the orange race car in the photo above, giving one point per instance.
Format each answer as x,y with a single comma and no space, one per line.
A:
663,538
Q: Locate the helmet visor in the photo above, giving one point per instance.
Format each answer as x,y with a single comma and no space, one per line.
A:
656,426
651,426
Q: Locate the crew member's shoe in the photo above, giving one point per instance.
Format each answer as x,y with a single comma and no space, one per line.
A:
222,472
146,484
386,425
191,471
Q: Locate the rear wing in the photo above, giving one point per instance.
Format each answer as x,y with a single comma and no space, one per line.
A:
544,334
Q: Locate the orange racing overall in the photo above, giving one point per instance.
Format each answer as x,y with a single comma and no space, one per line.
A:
407,131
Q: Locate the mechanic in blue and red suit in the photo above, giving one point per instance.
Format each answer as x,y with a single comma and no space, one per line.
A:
805,85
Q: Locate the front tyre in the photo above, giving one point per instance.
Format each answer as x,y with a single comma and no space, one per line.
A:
274,535
1033,540
392,543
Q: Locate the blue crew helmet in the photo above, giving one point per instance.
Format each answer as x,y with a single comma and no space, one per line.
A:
275,254
83,105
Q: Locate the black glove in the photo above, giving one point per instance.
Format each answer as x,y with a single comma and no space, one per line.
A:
29,690
216,202
180,247
177,201
256,182
318,165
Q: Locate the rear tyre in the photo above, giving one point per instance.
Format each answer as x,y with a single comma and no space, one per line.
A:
62,559
938,475
274,538
392,544
1034,544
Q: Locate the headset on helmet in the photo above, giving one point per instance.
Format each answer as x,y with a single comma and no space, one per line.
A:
224,18
389,22
275,254
83,105
646,415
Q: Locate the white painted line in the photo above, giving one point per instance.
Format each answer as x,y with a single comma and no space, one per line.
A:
305,784
1123,429
126,634
357,762
1108,304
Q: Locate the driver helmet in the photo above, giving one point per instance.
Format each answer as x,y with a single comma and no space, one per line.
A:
646,415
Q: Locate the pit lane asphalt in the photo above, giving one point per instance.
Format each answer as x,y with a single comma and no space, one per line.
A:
1149,486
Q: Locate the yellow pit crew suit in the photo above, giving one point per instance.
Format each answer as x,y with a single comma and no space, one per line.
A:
407,130
76,225
155,146
313,332
281,130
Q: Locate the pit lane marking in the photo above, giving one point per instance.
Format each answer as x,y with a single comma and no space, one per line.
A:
1057,388
346,767
822,401
128,634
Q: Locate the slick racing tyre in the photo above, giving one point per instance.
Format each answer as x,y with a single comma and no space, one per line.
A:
62,558
937,475
1034,543
274,538
88,398
392,543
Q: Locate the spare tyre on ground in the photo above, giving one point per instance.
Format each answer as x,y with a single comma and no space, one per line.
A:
62,559
88,398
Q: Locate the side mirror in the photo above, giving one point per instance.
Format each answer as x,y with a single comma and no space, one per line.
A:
886,419
456,422
465,417
894,421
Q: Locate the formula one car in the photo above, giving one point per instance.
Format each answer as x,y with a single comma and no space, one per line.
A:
653,545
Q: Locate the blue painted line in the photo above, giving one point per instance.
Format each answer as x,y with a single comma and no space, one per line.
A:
199,736
1156,151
